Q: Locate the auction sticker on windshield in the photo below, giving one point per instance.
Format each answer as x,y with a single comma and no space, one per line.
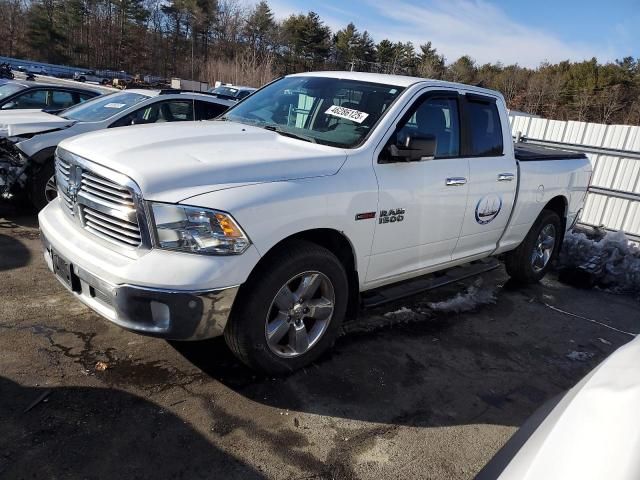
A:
348,113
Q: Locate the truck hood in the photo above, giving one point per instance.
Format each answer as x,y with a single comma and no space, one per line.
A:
175,161
14,123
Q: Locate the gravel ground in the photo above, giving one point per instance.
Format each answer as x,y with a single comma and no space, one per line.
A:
408,392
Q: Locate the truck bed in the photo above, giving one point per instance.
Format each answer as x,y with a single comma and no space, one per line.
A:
528,153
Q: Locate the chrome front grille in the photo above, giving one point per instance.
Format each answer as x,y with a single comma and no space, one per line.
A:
103,202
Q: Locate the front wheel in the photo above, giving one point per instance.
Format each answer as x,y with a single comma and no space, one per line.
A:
43,186
290,310
533,258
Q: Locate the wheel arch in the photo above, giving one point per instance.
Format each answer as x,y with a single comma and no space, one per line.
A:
44,155
337,243
560,205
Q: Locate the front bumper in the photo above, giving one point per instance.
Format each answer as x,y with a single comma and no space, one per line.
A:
171,314
158,293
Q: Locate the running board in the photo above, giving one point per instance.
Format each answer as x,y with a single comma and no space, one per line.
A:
379,296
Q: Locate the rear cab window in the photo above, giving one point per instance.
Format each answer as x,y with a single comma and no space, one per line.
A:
485,128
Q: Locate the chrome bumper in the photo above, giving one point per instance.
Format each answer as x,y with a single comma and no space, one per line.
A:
170,314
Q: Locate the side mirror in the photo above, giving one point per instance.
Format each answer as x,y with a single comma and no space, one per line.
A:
414,150
9,106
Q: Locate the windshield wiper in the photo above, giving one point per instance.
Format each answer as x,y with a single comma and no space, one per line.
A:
287,133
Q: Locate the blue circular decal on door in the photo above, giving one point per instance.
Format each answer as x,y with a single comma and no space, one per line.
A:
488,208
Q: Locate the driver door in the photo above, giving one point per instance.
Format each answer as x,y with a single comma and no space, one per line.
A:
422,202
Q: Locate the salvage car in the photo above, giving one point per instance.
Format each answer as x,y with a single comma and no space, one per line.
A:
316,195
41,96
31,137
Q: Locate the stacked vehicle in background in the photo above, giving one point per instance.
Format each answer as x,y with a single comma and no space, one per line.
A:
51,98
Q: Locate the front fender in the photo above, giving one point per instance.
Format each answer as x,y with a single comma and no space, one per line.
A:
272,212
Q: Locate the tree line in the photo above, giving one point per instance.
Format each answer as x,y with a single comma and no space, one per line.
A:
229,41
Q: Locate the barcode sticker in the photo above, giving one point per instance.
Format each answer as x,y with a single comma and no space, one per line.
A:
348,113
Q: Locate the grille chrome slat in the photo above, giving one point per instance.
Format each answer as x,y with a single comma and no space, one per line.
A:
90,218
107,218
109,236
117,233
105,183
90,184
104,207
105,196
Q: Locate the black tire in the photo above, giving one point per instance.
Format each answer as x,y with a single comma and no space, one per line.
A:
82,79
245,333
40,193
520,262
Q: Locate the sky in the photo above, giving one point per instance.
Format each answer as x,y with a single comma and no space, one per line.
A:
526,33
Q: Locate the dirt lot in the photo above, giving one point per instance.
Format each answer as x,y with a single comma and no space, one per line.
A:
411,394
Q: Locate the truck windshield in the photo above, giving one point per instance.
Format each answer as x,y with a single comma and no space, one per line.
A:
101,108
329,111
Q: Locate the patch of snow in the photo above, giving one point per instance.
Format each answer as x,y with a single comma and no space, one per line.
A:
606,342
465,302
579,356
401,311
613,260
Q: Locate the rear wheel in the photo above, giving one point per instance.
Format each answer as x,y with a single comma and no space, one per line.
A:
290,311
533,258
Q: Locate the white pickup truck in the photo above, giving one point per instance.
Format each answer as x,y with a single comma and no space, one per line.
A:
271,224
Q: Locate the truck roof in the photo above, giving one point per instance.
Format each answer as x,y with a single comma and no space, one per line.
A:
396,80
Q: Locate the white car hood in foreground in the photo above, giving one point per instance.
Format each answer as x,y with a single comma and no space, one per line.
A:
174,161
594,432
20,122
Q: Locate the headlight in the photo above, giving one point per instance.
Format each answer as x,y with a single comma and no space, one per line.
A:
197,230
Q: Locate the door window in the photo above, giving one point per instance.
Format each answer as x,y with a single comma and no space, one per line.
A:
169,111
436,119
33,99
60,99
485,127
208,110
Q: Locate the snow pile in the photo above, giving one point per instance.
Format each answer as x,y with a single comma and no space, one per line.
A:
464,302
612,261
404,314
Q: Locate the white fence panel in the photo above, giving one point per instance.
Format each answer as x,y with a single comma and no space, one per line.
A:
613,200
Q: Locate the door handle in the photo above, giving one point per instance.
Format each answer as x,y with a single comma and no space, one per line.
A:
455,181
505,177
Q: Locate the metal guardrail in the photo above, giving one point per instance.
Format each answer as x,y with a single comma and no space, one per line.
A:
630,199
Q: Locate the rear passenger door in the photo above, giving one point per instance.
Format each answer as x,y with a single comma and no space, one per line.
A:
492,178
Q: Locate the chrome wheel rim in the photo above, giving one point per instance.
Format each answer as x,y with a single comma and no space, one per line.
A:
51,189
543,248
299,314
